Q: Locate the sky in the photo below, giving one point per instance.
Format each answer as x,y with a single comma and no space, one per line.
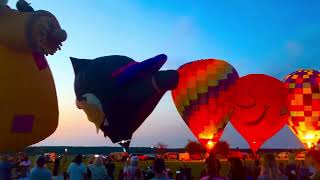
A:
267,37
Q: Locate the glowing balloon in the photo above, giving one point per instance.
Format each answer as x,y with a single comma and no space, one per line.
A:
29,108
259,108
201,97
304,105
118,93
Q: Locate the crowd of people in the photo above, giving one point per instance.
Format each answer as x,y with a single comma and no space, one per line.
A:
100,168
19,163
267,168
20,168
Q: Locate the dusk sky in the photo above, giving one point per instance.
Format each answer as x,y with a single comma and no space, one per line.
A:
271,37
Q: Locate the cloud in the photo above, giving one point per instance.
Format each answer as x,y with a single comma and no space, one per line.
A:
294,49
303,51
300,52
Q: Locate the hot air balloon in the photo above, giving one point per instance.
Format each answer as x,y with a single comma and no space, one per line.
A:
29,107
201,97
304,105
259,108
118,93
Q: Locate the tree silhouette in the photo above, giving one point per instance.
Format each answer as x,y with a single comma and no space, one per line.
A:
221,148
193,147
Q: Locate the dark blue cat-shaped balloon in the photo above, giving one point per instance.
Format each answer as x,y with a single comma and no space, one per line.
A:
118,93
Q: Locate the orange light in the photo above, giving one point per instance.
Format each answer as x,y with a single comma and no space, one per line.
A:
205,135
254,142
310,139
210,144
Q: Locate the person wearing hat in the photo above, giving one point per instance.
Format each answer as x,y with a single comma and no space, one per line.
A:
40,172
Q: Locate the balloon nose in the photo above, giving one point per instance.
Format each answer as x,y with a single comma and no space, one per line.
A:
57,36
167,80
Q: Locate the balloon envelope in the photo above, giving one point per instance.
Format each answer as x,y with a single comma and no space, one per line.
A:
118,93
201,97
304,105
29,106
259,108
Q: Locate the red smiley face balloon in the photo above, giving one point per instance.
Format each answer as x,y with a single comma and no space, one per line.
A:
259,108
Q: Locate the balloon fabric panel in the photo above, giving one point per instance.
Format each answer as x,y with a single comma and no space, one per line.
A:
201,97
259,108
29,106
304,105
118,93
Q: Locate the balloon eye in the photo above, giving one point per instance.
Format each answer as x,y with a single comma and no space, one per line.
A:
246,102
284,111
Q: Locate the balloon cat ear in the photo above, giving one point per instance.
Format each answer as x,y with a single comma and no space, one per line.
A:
78,64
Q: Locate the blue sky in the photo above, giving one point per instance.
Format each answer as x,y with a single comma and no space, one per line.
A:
272,37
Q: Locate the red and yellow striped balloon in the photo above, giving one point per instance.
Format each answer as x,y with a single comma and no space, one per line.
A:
304,105
201,97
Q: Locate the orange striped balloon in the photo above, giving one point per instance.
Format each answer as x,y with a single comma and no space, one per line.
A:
201,97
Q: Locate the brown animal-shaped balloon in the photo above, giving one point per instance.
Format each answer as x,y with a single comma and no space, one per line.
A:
29,107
